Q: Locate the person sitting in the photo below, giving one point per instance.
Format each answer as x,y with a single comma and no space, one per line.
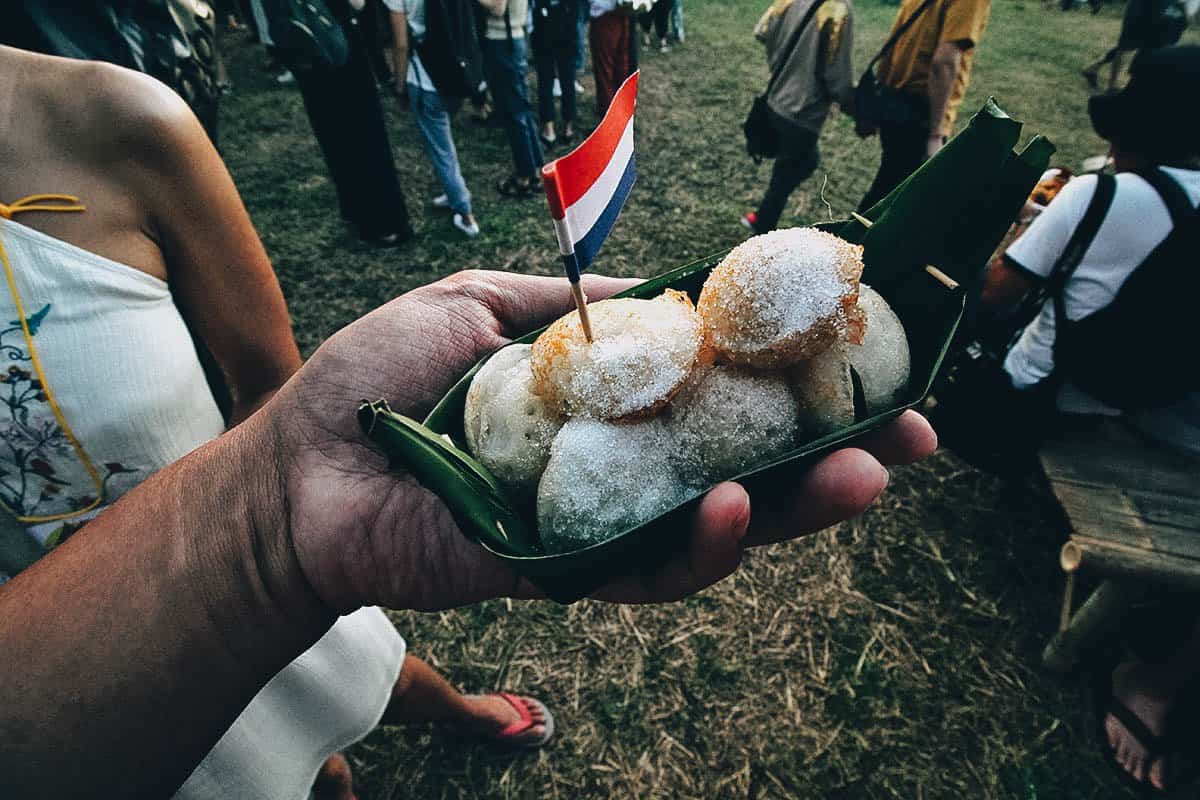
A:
1154,196
111,299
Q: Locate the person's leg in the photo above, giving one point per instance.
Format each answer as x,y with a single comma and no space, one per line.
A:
662,16
677,19
581,32
564,55
530,158
788,172
604,37
903,151
422,695
433,122
1149,690
543,61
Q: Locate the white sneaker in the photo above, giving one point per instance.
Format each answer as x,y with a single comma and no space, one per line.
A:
578,88
557,89
285,77
441,201
471,230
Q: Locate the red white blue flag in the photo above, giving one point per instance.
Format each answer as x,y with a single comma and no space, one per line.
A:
588,186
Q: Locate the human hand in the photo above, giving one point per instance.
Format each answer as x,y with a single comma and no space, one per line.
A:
364,534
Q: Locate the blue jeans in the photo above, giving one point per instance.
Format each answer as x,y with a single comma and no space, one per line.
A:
433,120
504,61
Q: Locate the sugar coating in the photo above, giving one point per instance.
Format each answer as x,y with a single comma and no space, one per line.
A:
642,352
730,418
781,297
825,390
604,478
882,360
508,427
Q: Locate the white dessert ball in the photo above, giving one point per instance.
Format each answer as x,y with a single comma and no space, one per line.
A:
882,361
825,391
729,418
603,478
509,428
643,351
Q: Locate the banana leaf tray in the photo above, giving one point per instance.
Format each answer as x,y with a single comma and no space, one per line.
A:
950,214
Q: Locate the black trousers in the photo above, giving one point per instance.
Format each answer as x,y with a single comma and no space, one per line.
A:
659,15
555,52
904,150
789,171
347,118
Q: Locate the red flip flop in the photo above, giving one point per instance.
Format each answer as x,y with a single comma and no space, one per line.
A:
519,733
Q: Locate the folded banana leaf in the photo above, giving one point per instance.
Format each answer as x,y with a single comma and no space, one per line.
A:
951,213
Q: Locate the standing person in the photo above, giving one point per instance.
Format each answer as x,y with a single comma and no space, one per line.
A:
927,68
659,16
505,62
808,48
614,49
432,113
106,390
1147,24
343,107
555,51
677,20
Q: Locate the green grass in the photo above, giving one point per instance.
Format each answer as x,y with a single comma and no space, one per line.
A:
894,656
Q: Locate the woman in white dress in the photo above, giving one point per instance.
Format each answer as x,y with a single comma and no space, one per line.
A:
108,298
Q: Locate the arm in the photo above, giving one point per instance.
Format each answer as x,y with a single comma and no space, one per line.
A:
834,58
943,74
1003,285
219,273
399,48
140,639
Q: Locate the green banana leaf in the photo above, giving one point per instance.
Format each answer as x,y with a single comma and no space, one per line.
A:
951,213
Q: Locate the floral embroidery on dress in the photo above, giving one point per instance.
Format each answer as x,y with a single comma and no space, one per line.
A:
41,475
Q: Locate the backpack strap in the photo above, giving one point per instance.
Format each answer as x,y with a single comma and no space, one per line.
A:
895,37
1178,204
1068,260
791,45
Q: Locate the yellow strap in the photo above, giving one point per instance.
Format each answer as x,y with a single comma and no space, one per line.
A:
47,202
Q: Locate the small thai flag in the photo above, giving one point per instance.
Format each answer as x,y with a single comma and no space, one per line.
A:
588,186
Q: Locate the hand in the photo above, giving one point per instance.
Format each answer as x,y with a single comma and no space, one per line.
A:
365,535
933,144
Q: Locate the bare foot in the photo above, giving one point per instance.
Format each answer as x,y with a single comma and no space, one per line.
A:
334,781
1136,687
491,714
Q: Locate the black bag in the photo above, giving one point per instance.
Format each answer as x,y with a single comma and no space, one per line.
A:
449,50
1138,352
979,414
306,34
875,103
762,139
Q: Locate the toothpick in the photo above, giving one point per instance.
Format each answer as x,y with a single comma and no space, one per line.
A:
581,304
936,273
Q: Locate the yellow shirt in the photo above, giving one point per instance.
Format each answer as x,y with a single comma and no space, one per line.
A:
906,67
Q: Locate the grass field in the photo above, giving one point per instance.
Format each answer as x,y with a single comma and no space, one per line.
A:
894,656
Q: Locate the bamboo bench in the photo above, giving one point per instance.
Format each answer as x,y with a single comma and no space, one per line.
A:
1134,512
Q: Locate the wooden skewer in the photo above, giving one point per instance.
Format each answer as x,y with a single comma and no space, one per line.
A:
581,304
936,273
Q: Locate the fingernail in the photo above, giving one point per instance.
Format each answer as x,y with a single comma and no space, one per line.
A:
887,476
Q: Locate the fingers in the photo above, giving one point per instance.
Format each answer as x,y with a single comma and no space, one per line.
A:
714,552
907,439
840,486
523,303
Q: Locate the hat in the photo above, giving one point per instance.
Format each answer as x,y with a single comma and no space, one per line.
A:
1155,114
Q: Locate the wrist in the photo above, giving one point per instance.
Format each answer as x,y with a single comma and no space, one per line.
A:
278,609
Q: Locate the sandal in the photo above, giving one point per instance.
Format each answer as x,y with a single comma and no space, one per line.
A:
512,186
520,733
1177,749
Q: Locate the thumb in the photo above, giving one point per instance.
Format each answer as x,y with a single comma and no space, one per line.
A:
522,303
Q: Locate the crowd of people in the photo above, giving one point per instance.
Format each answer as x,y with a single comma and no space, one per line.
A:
243,646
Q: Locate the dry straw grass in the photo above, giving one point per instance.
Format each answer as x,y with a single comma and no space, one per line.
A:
896,656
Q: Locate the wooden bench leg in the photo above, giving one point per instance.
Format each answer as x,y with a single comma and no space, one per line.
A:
1096,618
